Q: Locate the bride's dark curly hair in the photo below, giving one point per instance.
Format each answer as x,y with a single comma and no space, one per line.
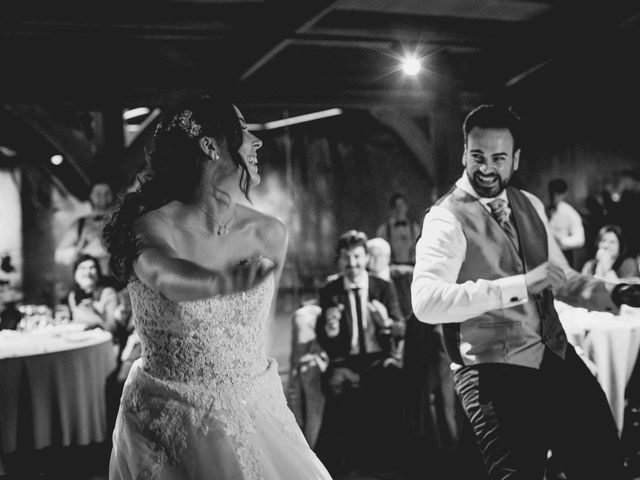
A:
175,169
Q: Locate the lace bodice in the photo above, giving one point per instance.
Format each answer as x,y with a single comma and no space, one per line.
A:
210,341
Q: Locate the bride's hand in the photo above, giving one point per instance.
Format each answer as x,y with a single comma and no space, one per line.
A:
245,276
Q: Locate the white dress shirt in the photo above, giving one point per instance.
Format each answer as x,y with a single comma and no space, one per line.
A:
440,251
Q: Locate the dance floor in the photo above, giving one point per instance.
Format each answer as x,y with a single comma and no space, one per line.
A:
90,463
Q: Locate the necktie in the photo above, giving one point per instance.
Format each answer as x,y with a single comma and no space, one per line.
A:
501,212
361,338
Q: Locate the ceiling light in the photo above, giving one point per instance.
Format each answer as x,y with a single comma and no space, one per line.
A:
411,65
285,122
56,159
134,112
7,152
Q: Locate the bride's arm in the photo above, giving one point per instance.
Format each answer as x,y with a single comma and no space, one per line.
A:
276,242
159,266
277,239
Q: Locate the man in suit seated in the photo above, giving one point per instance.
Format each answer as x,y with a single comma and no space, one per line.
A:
359,323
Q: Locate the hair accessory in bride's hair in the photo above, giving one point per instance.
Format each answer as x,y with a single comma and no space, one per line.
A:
186,123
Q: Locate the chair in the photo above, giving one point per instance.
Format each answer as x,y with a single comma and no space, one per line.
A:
307,362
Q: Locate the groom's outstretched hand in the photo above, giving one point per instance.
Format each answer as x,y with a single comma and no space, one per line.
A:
625,293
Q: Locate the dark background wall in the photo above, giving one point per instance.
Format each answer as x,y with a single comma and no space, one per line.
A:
582,121
330,176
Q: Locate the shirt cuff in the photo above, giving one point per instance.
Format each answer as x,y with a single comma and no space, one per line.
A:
513,291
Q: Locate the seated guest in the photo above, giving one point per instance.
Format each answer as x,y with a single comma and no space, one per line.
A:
379,258
359,320
380,266
399,275
610,261
90,302
307,363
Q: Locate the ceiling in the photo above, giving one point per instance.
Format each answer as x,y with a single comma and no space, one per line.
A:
69,68
290,53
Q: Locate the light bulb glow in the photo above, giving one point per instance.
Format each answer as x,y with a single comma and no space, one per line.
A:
411,66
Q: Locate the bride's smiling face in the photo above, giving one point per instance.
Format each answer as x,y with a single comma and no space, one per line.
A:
249,150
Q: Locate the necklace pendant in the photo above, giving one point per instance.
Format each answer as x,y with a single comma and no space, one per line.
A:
222,227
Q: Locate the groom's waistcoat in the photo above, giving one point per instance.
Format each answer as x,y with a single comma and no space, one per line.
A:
515,335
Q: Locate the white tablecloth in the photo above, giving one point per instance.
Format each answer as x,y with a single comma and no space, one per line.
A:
611,342
51,339
52,388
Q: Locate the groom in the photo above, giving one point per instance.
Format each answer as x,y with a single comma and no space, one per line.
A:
488,269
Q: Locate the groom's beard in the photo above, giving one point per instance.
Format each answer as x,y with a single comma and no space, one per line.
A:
489,186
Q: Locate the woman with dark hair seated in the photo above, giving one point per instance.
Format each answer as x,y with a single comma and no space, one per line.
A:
90,301
204,400
610,261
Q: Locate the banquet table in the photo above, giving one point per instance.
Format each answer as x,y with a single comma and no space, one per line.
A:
52,387
611,343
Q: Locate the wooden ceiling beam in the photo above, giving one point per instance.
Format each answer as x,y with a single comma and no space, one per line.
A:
409,28
589,27
266,34
69,143
320,40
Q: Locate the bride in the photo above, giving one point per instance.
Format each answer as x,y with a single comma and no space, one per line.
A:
204,401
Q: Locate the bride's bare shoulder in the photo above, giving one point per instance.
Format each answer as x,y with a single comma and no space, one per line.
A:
164,215
267,227
157,226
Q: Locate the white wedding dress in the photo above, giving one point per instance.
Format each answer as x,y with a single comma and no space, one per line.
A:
204,401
